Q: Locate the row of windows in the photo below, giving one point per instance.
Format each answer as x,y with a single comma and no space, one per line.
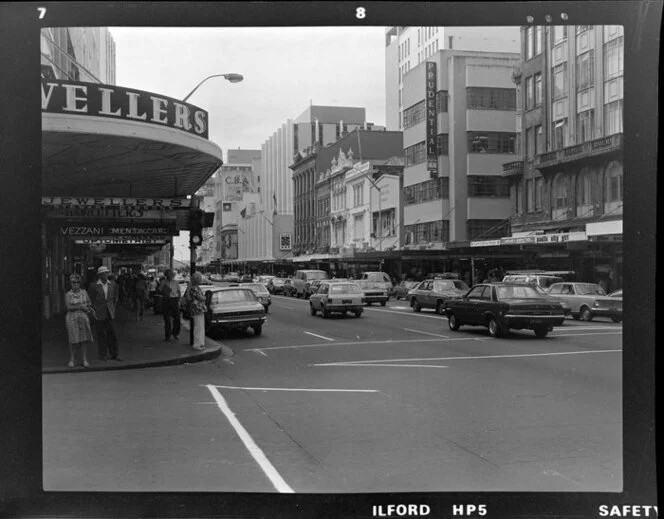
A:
585,127
414,115
485,98
427,232
404,49
426,191
534,91
486,229
491,142
417,153
488,186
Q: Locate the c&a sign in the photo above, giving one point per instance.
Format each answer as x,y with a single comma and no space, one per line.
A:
75,97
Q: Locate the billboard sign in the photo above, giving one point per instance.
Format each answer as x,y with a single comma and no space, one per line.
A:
431,118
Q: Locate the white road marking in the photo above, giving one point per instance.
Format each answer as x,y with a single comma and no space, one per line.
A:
319,336
427,333
374,361
414,314
581,334
389,341
300,389
381,365
261,352
583,328
249,443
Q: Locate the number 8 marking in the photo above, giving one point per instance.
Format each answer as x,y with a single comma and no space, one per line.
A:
360,13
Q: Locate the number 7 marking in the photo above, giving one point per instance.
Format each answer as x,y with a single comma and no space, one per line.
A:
42,12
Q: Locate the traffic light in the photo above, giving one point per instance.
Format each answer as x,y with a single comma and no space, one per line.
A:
196,217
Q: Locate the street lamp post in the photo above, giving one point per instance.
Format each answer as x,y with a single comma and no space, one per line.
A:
232,77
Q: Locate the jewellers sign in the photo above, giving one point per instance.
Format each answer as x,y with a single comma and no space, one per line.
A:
432,119
113,102
143,203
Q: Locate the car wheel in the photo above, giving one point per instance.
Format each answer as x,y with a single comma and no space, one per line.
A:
258,329
495,330
326,312
453,322
383,303
541,331
440,308
585,314
415,305
358,314
312,309
616,319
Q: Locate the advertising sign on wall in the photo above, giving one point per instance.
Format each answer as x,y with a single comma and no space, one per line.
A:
235,184
285,241
432,118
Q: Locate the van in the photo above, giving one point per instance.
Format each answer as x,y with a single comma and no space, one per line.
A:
303,279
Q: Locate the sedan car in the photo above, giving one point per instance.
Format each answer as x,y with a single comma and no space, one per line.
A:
336,296
432,293
401,290
502,307
275,285
233,308
261,293
609,306
579,296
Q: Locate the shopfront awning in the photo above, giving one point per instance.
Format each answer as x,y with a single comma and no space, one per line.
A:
604,228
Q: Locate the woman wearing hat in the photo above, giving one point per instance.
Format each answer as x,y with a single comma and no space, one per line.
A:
78,305
104,294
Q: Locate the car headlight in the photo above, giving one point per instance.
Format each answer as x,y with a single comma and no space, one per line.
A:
596,304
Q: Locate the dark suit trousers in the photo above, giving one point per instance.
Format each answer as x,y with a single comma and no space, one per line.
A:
107,341
171,316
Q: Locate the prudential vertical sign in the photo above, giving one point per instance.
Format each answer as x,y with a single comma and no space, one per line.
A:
432,119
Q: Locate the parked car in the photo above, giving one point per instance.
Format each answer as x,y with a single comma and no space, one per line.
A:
233,308
261,293
263,279
231,277
401,290
432,293
609,306
336,296
303,279
379,280
566,308
542,280
579,296
501,307
275,285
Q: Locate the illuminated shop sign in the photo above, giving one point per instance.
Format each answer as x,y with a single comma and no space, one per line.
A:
78,98
119,240
136,230
144,203
432,119
485,243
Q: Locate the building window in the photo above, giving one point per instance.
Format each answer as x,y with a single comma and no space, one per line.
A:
539,193
486,229
539,138
441,101
613,31
429,231
583,187
584,126
613,120
486,98
559,191
529,93
442,144
538,89
426,191
491,142
488,186
538,40
529,42
560,81
415,154
529,195
559,33
517,198
414,115
387,220
583,28
613,58
530,143
585,70
614,182
559,134
358,195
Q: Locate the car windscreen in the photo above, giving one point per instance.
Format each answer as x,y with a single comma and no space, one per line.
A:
233,296
345,288
410,284
518,292
450,284
588,289
256,287
316,275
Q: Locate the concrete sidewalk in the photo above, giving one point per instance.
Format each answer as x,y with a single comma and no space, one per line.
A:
141,345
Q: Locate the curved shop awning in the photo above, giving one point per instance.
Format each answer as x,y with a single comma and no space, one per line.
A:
104,140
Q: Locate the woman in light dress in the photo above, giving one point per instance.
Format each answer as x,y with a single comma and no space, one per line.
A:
79,308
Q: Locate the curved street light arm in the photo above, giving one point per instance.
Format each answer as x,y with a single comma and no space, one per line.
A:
233,78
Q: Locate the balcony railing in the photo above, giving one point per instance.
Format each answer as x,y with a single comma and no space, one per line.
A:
579,151
513,168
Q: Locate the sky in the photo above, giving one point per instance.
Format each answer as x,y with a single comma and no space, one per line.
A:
284,68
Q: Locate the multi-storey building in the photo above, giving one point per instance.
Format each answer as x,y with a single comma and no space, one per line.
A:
407,47
455,147
78,54
569,169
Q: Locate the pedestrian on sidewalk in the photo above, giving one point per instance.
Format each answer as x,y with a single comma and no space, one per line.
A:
79,306
140,296
104,295
170,290
197,308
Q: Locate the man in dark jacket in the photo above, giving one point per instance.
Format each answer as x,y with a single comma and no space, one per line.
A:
104,294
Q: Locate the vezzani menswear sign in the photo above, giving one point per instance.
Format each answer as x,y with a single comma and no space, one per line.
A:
78,98
432,119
